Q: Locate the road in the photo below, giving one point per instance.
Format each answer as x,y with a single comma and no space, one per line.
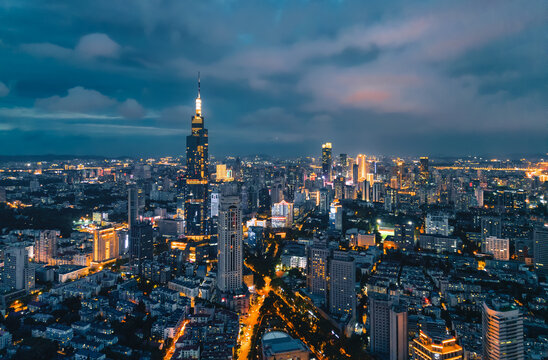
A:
251,320
180,333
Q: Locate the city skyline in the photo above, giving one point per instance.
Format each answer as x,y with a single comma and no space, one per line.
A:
432,79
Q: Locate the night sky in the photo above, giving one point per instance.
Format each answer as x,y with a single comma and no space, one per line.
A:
118,77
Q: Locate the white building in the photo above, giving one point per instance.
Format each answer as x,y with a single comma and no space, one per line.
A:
437,224
499,248
502,331
282,214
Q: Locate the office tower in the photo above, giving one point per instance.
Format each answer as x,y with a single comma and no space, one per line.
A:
335,215
437,224
45,246
540,249
141,245
377,191
282,214
361,160
500,248
502,330
355,174
424,174
391,200
404,235
196,177
135,204
343,163
365,190
491,226
317,271
105,245
379,312
398,333
18,274
342,283
214,204
230,243
327,161
441,346
276,192
338,186
324,201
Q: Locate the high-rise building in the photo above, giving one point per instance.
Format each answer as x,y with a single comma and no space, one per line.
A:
424,174
427,347
398,333
336,215
327,161
361,160
18,274
105,245
355,174
324,200
230,244
491,226
502,330
45,246
343,163
499,248
379,313
135,204
404,235
540,249
342,283
141,245
338,186
196,177
282,214
317,271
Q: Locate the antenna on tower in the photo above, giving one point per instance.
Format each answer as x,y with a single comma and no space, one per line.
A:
198,84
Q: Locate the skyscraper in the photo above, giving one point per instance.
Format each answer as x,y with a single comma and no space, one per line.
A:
135,204
18,274
540,249
327,161
196,177
398,333
105,245
361,160
379,312
230,243
317,271
502,330
141,245
45,246
424,174
342,283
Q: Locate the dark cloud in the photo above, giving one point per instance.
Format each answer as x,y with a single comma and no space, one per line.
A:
277,77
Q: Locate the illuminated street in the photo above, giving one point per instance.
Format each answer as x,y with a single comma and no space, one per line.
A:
171,349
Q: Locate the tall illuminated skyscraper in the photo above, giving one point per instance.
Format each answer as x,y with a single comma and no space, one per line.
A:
196,179
361,160
327,161
105,245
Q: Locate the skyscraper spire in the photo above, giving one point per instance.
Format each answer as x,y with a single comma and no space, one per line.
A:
198,100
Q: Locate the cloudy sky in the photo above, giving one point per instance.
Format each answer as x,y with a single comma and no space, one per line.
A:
407,77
